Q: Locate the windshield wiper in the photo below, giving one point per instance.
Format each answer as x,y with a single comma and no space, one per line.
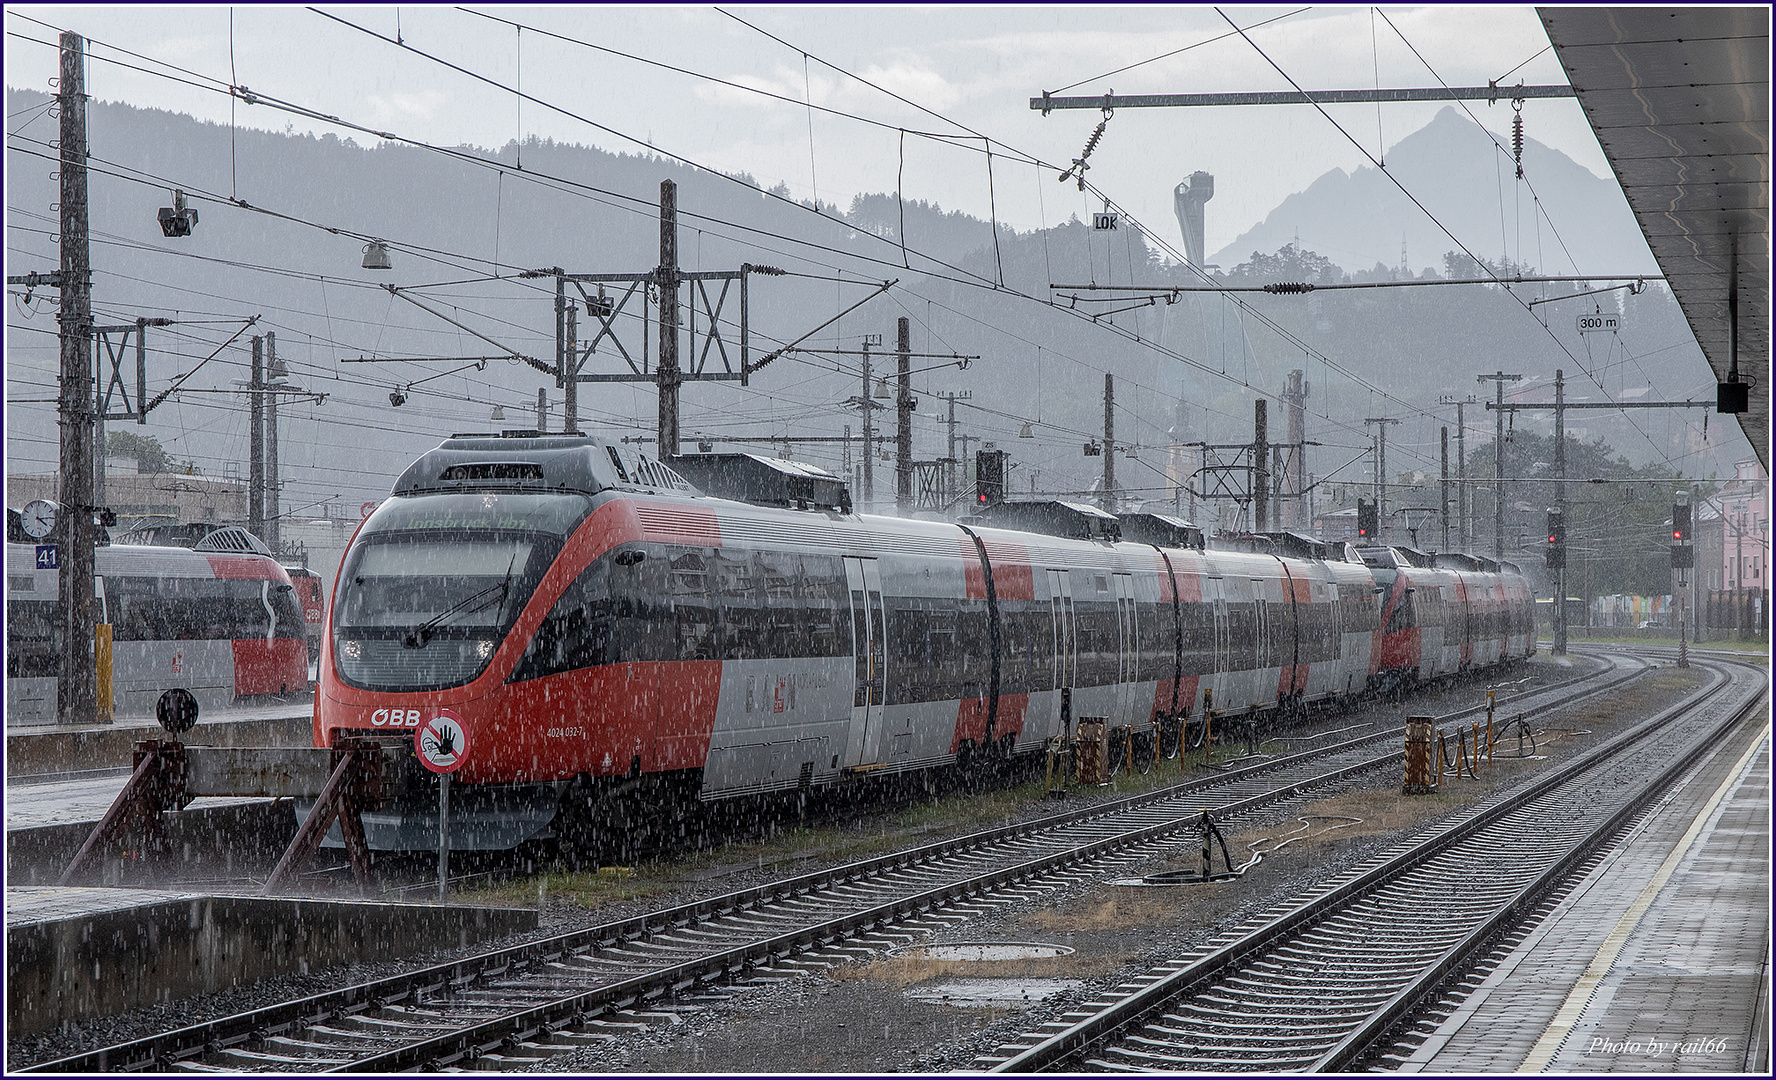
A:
422,633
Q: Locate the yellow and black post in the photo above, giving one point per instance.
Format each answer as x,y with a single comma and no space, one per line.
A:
1418,756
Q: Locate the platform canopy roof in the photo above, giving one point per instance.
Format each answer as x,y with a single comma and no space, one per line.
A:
1680,100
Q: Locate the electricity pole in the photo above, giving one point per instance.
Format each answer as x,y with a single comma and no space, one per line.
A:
1295,398
1463,537
869,428
256,441
1445,493
1260,465
76,677
570,388
950,489
1498,465
1560,501
662,284
668,281
1108,502
903,450
273,487
1383,523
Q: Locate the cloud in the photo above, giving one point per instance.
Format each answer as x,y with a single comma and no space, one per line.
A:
405,106
916,82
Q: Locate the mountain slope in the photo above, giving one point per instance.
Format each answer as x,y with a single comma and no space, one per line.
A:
1358,219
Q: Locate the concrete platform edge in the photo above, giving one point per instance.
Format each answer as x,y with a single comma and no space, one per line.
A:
87,966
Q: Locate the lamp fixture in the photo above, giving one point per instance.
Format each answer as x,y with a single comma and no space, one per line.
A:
376,256
177,219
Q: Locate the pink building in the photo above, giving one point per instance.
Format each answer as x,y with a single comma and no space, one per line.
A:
1744,508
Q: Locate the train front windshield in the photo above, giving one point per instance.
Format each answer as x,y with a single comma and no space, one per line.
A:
433,582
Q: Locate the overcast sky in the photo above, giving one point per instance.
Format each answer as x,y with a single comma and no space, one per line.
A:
974,67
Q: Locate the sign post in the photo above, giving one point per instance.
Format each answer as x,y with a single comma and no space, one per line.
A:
442,743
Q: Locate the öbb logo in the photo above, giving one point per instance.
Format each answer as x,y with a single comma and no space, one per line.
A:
395,718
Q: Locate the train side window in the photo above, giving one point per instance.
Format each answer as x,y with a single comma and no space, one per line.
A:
1198,623
827,606
33,642
578,632
688,586
1403,616
288,611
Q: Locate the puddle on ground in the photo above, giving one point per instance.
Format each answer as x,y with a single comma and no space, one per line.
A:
974,993
982,950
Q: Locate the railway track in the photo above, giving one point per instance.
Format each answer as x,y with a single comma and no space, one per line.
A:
522,1005
1333,980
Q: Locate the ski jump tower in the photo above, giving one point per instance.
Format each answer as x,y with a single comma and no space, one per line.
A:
1187,199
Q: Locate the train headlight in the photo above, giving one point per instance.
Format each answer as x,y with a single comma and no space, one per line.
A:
351,650
483,649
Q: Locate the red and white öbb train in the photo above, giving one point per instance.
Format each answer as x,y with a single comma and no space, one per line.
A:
613,640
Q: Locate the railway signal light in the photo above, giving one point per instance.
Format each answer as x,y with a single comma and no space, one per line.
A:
1680,522
989,477
1368,519
1556,540
1683,555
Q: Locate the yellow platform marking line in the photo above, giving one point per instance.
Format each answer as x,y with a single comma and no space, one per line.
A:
1574,1005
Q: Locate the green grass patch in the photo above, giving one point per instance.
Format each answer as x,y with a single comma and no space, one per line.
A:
1628,638
586,888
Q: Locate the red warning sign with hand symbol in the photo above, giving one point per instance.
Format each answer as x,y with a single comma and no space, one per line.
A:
442,742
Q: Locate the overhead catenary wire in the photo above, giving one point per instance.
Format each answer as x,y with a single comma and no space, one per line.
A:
1109,203
971,278
1536,202
1136,337
1172,53
1415,201
976,279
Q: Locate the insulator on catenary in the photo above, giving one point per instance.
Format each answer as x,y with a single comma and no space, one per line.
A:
1092,143
1290,287
1517,142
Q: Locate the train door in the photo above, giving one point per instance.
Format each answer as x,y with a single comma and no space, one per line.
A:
1218,587
1128,648
1066,654
1214,593
863,579
1260,628
1466,599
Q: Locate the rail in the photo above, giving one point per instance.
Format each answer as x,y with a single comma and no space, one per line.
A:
1140,1005
1048,844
